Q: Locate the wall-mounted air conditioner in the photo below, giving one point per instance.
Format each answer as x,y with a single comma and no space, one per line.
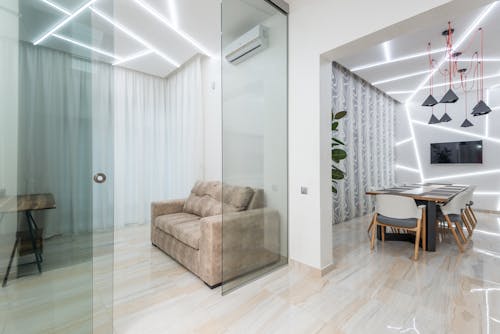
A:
246,46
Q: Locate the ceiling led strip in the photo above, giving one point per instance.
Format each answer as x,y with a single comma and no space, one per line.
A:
64,22
134,36
179,31
85,46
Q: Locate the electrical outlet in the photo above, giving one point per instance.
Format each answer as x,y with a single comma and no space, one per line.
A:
303,190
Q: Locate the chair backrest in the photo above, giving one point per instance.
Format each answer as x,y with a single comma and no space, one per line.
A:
399,207
456,205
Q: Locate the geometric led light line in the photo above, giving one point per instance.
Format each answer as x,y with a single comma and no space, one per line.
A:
470,134
415,147
395,60
86,46
387,51
134,56
172,9
134,36
404,76
404,141
63,22
457,45
488,172
180,32
57,7
407,168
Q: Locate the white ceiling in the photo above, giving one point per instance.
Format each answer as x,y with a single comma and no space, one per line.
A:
415,43
196,30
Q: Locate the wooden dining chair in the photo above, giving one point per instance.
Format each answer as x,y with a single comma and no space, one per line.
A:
454,216
471,216
399,212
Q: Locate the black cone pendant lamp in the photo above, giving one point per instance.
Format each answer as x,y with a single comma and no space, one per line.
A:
481,107
466,123
430,101
450,96
433,120
445,118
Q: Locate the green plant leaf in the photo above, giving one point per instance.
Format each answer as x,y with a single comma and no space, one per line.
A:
340,114
334,190
337,174
338,154
339,142
334,126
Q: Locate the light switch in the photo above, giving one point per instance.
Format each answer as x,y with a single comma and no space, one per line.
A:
303,190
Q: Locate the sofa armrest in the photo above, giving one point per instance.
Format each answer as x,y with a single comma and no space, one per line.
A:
165,208
246,235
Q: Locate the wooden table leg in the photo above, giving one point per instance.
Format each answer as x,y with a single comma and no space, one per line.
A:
431,213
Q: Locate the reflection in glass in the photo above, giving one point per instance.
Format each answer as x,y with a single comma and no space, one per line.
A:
254,76
56,272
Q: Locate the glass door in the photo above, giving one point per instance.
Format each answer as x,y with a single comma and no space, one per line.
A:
255,159
56,198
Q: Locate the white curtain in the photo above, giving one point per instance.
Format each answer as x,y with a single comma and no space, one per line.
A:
368,132
73,110
158,139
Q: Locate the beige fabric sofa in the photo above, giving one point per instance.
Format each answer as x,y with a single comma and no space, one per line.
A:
190,231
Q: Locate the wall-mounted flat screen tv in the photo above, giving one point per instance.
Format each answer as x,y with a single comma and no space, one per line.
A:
462,152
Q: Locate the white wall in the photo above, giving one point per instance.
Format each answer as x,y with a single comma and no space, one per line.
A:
315,28
211,85
427,134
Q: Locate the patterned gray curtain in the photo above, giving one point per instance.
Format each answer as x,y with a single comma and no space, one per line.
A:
368,132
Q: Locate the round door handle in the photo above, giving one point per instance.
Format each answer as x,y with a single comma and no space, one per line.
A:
100,178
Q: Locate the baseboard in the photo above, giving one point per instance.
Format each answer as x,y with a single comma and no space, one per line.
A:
294,264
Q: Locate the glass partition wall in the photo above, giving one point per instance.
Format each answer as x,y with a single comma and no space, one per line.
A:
56,218
255,160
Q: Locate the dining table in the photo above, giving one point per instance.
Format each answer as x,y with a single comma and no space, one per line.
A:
430,194
27,204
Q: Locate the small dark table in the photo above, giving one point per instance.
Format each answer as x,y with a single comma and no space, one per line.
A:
430,193
26,204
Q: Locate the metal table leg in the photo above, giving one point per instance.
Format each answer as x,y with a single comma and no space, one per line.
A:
431,212
6,277
32,230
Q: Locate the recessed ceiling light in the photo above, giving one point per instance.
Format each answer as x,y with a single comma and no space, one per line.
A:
134,56
63,22
134,36
395,60
56,7
179,31
405,76
86,46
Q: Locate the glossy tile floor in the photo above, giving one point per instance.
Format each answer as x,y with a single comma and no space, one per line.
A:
367,292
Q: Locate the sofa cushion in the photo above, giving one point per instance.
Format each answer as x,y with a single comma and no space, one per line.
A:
237,197
205,199
184,227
